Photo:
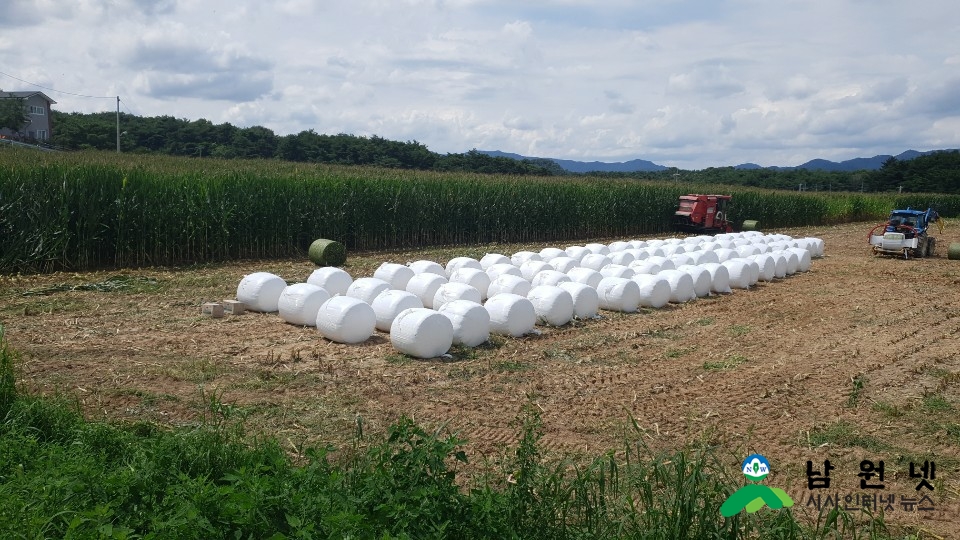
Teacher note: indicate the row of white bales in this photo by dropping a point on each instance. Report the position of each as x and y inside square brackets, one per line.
[427, 307]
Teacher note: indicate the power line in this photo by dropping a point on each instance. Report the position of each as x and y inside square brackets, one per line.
[55, 90]
[128, 108]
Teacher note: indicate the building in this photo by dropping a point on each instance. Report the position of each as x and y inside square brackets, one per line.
[37, 108]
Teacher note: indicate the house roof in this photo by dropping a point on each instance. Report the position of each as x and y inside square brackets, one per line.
[24, 95]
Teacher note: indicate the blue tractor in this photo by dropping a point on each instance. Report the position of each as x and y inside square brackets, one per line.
[906, 234]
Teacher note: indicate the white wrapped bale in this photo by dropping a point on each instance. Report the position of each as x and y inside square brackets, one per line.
[719, 276]
[478, 279]
[531, 268]
[521, 257]
[725, 254]
[471, 322]
[397, 275]
[663, 262]
[637, 254]
[260, 291]
[710, 245]
[654, 251]
[681, 285]
[553, 305]
[702, 282]
[623, 258]
[638, 244]
[564, 264]
[815, 246]
[598, 249]
[708, 257]
[388, 304]
[345, 319]
[747, 251]
[577, 253]
[586, 301]
[595, 261]
[425, 286]
[334, 280]
[793, 261]
[547, 254]
[803, 258]
[768, 266]
[740, 273]
[619, 294]
[498, 270]
[586, 276]
[617, 270]
[680, 259]
[457, 263]
[421, 333]
[448, 292]
[670, 250]
[740, 242]
[654, 290]
[427, 267]
[511, 314]
[508, 284]
[549, 277]
[618, 246]
[491, 259]
[645, 266]
[780, 258]
[367, 288]
[754, 270]
[299, 303]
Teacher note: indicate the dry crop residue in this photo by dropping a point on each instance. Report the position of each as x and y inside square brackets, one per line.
[858, 358]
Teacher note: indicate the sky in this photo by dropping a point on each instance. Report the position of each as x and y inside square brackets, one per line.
[689, 84]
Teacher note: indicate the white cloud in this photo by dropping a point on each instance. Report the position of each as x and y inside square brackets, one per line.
[690, 83]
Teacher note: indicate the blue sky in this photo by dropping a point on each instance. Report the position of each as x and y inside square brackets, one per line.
[691, 84]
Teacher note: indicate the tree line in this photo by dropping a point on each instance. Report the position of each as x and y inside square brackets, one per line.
[937, 172]
[201, 138]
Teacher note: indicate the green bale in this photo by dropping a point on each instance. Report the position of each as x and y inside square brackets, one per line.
[325, 252]
[751, 225]
[954, 252]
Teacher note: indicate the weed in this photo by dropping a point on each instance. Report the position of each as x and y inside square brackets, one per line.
[729, 363]
[936, 403]
[888, 410]
[677, 353]
[856, 390]
[844, 434]
[738, 330]
[705, 321]
[510, 365]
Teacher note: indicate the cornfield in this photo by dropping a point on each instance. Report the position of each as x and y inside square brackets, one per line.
[95, 210]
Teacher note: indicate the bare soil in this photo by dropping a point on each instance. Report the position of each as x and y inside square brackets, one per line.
[859, 358]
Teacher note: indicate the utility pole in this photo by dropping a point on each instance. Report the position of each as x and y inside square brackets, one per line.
[118, 124]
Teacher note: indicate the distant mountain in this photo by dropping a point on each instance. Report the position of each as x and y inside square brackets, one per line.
[856, 164]
[640, 165]
[591, 166]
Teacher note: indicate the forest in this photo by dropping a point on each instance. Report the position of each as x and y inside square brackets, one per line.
[938, 172]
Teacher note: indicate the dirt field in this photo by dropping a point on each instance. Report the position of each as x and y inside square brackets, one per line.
[858, 358]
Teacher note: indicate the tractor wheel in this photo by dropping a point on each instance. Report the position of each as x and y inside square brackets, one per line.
[931, 247]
